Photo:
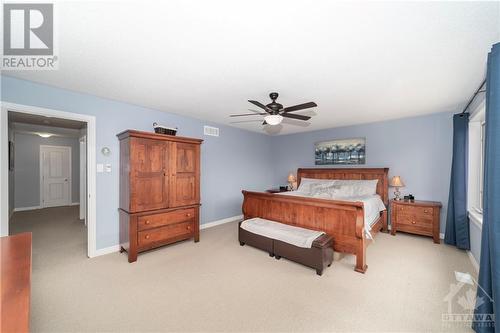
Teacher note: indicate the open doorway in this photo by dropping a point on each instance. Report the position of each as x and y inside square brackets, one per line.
[45, 180]
[49, 185]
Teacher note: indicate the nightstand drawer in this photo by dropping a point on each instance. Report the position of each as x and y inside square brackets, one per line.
[421, 212]
[415, 223]
[416, 229]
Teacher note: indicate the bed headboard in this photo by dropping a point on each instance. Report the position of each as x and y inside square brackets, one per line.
[351, 173]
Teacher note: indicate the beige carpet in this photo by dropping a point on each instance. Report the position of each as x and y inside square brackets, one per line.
[217, 285]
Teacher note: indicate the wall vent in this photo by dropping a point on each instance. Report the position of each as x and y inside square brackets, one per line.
[211, 131]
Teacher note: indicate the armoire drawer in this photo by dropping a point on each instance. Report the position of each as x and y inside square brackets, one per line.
[162, 219]
[159, 235]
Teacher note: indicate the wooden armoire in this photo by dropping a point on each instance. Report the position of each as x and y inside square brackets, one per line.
[159, 190]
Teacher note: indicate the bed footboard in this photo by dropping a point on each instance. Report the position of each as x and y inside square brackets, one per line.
[343, 221]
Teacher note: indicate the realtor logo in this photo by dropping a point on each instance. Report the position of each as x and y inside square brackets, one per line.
[28, 36]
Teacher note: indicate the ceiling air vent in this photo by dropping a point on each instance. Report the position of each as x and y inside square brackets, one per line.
[209, 130]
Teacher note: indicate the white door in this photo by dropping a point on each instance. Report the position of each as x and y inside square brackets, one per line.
[55, 172]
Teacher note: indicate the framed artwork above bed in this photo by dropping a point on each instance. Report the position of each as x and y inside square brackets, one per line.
[340, 152]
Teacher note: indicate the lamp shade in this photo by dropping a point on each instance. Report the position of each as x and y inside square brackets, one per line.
[291, 178]
[396, 182]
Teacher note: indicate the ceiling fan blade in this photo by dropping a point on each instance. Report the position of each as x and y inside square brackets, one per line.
[295, 116]
[247, 114]
[299, 107]
[244, 121]
[259, 104]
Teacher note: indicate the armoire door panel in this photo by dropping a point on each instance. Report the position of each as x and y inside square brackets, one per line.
[185, 190]
[149, 174]
[186, 157]
[184, 187]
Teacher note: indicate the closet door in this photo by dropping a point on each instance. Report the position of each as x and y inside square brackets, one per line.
[148, 174]
[184, 178]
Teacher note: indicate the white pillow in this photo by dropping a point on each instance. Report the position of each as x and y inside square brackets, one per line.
[305, 183]
[358, 187]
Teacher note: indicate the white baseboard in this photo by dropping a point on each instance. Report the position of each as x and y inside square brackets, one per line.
[219, 222]
[22, 209]
[473, 261]
[107, 250]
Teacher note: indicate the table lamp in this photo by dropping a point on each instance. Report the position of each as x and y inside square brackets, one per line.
[397, 183]
[291, 180]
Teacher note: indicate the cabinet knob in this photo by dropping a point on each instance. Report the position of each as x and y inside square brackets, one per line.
[426, 211]
[413, 222]
[148, 222]
[147, 236]
[188, 214]
[188, 227]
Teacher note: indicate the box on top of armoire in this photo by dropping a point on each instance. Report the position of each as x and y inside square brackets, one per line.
[159, 190]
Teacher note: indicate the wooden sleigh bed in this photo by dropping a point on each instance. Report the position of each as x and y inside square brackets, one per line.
[343, 220]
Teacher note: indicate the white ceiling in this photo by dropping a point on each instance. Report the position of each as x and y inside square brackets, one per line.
[359, 61]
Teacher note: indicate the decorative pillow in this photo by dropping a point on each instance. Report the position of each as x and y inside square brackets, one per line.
[359, 187]
[305, 183]
[320, 189]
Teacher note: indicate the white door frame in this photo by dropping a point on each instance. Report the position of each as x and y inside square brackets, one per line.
[70, 190]
[91, 165]
[82, 141]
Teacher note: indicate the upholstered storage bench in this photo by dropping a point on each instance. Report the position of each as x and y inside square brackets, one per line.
[318, 256]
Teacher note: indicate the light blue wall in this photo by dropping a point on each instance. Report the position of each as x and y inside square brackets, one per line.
[418, 149]
[27, 167]
[234, 161]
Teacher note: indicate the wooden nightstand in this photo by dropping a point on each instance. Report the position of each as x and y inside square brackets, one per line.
[417, 217]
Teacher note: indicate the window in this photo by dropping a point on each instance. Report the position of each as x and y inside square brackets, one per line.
[481, 168]
[477, 127]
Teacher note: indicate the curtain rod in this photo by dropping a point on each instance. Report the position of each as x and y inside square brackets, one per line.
[474, 96]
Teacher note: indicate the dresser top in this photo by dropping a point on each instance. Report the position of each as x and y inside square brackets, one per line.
[417, 203]
[155, 136]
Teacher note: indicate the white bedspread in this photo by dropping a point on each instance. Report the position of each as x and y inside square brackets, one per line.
[286, 233]
[373, 205]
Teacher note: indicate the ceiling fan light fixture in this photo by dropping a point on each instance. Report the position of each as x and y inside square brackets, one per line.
[273, 119]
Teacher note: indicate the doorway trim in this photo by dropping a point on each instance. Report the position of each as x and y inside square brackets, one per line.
[91, 165]
[42, 187]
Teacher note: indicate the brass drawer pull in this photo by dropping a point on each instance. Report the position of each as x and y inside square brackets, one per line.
[413, 222]
[188, 214]
[188, 227]
[426, 211]
[148, 222]
[147, 236]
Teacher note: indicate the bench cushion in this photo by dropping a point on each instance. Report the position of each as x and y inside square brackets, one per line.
[286, 233]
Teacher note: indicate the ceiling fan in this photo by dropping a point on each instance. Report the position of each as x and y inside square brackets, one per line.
[274, 112]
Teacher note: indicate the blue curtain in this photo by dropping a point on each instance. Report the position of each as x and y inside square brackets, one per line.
[457, 221]
[488, 291]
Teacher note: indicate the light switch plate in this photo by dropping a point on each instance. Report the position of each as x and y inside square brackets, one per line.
[100, 167]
